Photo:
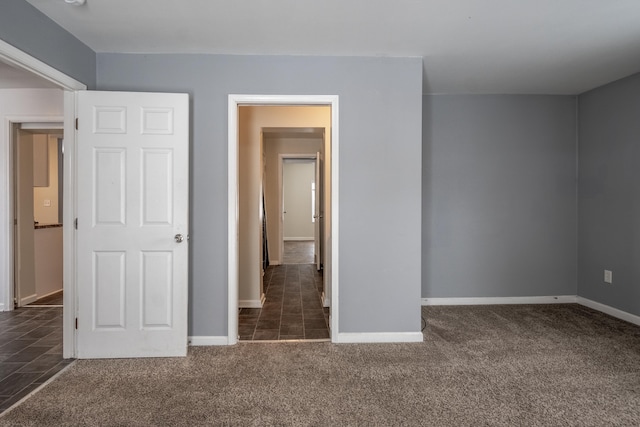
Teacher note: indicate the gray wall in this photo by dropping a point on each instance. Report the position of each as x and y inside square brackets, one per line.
[380, 171]
[26, 28]
[609, 194]
[499, 196]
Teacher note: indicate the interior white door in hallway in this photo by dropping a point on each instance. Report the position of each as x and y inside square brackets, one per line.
[132, 224]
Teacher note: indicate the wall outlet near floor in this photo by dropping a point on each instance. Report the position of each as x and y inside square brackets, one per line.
[47, 202]
[608, 276]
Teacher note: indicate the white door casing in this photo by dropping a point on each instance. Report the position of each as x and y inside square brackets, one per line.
[24, 259]
[132, 192]
[317, 215]
[332, 259]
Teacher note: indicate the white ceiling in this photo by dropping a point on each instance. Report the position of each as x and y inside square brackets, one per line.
[467, 46]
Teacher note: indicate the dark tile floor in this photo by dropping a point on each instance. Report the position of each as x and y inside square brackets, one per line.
[298, 252]
[30, 351]
[292, 309]
[55, 299]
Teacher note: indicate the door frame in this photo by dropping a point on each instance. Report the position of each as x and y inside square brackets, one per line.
[281, 161]
[234, 102]
[21, 60]
[35, 123]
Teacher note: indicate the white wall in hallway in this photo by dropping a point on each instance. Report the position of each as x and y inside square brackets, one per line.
[297, 179]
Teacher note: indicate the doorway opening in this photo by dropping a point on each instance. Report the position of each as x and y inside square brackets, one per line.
[31, 112]
[266, 133]
[37, 205]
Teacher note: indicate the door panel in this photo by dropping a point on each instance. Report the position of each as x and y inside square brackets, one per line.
[132, 205]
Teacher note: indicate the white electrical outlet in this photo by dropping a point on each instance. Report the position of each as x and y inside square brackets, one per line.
[608, 276]
[47, 202]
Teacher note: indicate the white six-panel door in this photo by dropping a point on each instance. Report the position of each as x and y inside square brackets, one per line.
[132, 249]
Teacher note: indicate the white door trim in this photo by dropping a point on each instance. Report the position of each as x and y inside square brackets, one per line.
[26, 62]
[8, 153]
[232, 200]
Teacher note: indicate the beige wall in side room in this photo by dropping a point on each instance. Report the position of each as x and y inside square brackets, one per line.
[41, 213]
[48, 260]
[252, 119]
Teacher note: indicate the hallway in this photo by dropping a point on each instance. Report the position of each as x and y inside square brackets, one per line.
[292, 310]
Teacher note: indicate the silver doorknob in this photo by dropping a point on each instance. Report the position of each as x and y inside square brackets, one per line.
[179, 238]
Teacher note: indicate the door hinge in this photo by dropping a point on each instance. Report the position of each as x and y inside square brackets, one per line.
[76, 123]
[75, 223]
[15, 221]
[76, 323]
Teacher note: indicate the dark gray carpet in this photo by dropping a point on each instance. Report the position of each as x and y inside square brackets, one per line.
[483, 365]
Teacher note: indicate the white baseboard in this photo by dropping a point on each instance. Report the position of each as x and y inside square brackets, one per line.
[326, 301]
[2, 306]
[378, 337]
[275, 262]
[559, 299]
[50, 293]
[28, 300]
[251, 303]
[208, 341]
[299, 239]
[623, 315]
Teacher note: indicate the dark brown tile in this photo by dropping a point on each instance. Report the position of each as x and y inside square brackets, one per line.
[7, 369]
[42, 364]
[293, 329]
[16, 345]
[249, 317]
[16, 382]
[249, 322]
[310, 313]
[291, 319]
[312, 296]
[246, 329]
[39, 332]
[28, 354]
[314, 324]
[291, 309]
[271, 315]
[8, 336]
[25, 326]
[268, 324]
[270, 306]
[56, 350]
[16, 397]
[51, 372]
[50, 340]
[291, 297]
